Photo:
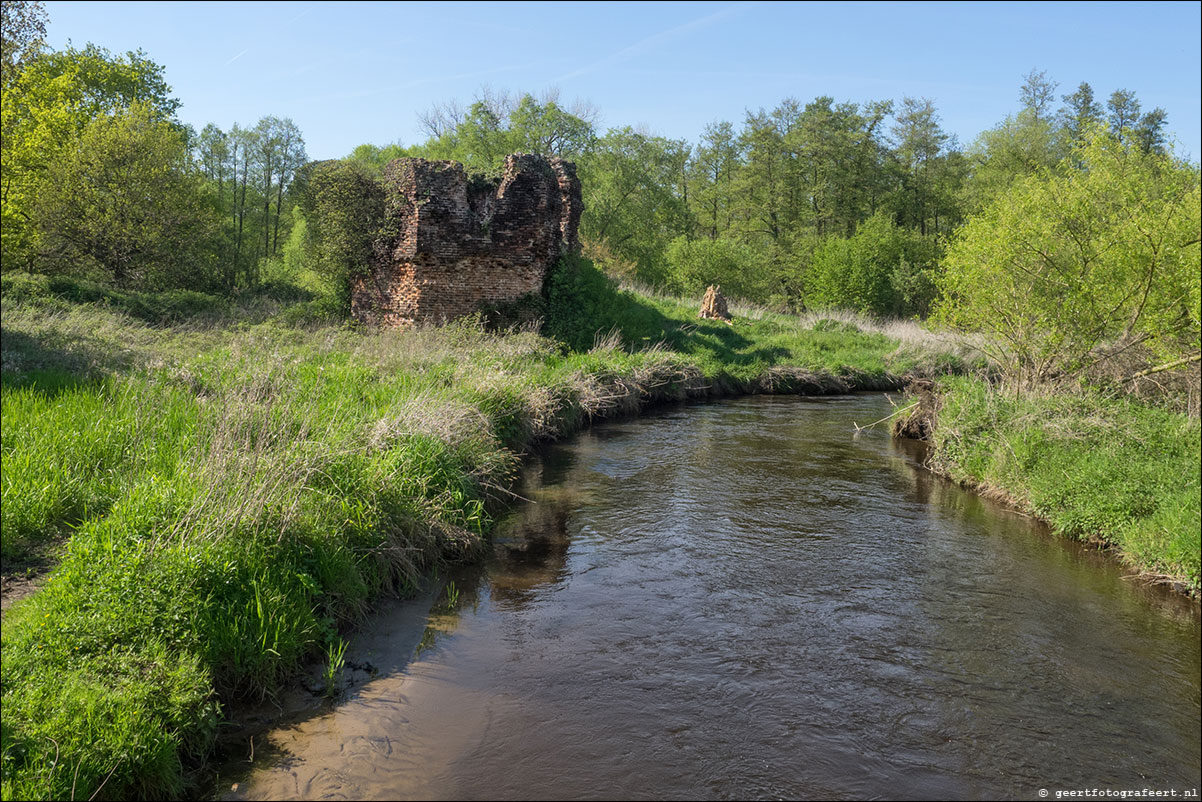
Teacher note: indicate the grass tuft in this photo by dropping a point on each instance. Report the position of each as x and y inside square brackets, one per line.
[1109, 470]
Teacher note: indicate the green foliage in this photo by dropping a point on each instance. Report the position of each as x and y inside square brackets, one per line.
[1068, 261]
[344, 209]
[547, 129]
[930, 173]
[123, 201]
[1020, 146]
[582, 302]
[497, 125]
[633, 206]
[881, 270]
[249, 174]
[1091, 466]
[695, 264]
[23, 28]
[374, 158]
[44, 109]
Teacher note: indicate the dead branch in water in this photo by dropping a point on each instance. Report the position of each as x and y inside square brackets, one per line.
[892, 414]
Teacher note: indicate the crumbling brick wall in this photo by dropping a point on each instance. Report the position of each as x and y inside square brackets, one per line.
[451, 244]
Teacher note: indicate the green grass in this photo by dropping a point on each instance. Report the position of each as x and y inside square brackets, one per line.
[755, 343]
[1095, 468]
[228, 489]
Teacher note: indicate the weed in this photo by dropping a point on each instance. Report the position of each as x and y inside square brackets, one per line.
[451, 596]
[335, 660]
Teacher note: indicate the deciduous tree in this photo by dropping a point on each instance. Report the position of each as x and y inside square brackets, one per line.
[1102, 251]
[125, 199]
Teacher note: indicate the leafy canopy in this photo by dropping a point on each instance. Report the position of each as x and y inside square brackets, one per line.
[43, 111]
[1101, 251]
[123, 199]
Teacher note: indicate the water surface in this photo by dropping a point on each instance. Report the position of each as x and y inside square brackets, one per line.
[747, 600]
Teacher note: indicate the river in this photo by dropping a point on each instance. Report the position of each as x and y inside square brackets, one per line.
[748, 599]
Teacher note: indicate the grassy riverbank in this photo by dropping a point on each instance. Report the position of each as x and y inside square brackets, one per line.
[1112, 471]
[223, 488]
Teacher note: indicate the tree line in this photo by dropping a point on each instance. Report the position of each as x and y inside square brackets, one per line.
[100, 178]
[1068, 226]
[818, 203]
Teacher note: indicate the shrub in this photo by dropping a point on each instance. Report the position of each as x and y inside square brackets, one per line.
[881, 270]
[1103, 249]
[695, 264]
[343, 207]
[124, 200]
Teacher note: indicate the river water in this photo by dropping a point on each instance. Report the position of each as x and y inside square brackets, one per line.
[749, 600]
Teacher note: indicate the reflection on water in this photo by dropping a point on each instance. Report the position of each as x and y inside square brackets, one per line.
[744, 600]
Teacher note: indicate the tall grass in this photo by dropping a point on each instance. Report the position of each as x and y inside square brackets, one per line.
[1104, 469]
[228, 491]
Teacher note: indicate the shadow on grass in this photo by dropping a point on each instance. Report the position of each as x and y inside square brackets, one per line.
[52, 365]
[584, 305]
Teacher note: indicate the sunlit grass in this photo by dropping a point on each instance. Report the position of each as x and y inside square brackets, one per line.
[228, 491]
[1110, 470]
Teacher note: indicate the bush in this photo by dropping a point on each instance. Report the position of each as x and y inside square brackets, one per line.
[695, 264]
[583, 303]
[881, 270]
[577, 296]
[1102, 250]
[124, 200]
[343, 206]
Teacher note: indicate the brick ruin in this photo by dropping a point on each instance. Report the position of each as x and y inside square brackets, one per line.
[455, 243]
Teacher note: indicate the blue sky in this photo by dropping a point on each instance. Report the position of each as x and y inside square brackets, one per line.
[349, 73]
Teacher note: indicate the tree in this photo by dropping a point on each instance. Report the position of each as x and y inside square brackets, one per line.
[1068, 265]
[1079, 114]
[242, 144]
[44, 109]
[1037, 93]
[548, 130]
[919, 142]
[22, 35]
[712, 170]
[212, 149]
[839, 163]
[763, 181]
[630, 181]
[1021, 145]
[374, 157]
[1149, 133]
[249, 172]
[124, 199]
[292, 158]
[497, 124]
[1124, 113]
